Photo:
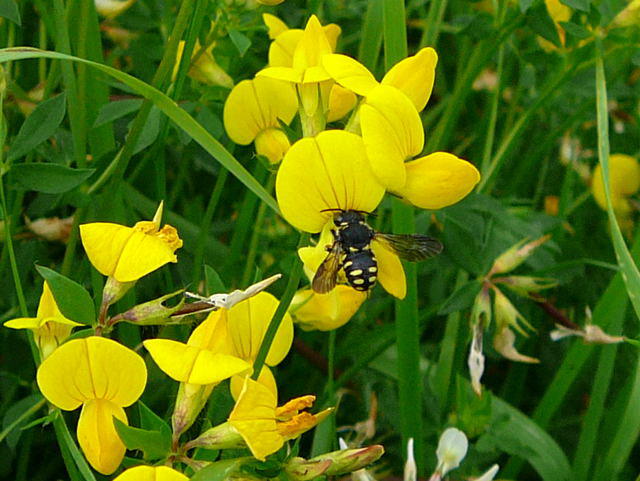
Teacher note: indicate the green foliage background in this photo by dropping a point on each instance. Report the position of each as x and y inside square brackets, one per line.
[576, 415]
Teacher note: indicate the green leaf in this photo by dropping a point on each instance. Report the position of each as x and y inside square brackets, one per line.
[540, 22]
[525, 5]
[582, 5]
[39, 126]
[115, 110]
[49, 178]
[240, 40]
[220, 470]
[72, 299]
[151, 421]
[181, 118]
[461, 298]
[149, 132]
[154, 444]
[9, 10]
[633, 342]
[575, 30]
[213, 281]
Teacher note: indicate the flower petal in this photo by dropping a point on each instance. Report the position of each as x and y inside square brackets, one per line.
[211, 333]
[414, 76]
[341, 102]
[392, 133]
[48, 307]
[256, 105]
[273, 144]
[326, 311]
[191, 364]
[254, 418]
[103, 243]
[92, 368]
[390, 271]
[349, 73]
[312, 46]
[247, 324]
[287, 74]
[314, 176]
[151, 473]
[282, 48]
[97, 435]
[24, 323]
[265, 378]
[438, 180]
[624, 180]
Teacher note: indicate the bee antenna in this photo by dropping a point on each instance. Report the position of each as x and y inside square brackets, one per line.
[332, 210]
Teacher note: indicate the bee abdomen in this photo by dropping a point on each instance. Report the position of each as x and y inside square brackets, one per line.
[361, 269]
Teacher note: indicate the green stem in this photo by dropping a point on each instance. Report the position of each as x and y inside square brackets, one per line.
[68, 445]
[285, 301]
[493, 116]
[26, 414]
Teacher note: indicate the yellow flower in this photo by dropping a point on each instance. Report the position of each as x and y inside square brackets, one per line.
[128, 253]
[392, 133]
[312, 82]
[624, 181]
[331, 171]
[103, 377]
[112, 8]
[151, 473]
[203, 68]
[285, 40]
[413, 76]
[50, 328]
[341, 102]
[264, 426]
[253, 111]
[325, 312]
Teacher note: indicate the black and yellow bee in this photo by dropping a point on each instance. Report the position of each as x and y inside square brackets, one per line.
[351, 251]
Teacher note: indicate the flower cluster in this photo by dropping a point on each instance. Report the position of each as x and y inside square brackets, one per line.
[342, 164]
[103, 377]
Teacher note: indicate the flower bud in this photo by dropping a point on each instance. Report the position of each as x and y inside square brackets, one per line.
[516, 255]
[348, 460]
[525, 285]
[503, 342]
[273, 144]
[223, 436]
[152, 312]
[299, 469]
[189, 402]
[489, 474]
[507, 314]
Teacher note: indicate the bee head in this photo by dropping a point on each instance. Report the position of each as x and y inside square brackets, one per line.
[346, 217]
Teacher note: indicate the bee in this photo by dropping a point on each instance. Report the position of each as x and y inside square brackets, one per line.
[351, 251]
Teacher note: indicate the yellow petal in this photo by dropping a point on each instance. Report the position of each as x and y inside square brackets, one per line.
[151, 473]
[326, 311]
[256, 105]
[273, 144]
[92, 368]
[287, 74]
[624, 180]
[312, 46]
[247, 324]
[97, 435]
[438, 180]
[557, 11]
[329, 171]
[341, 102]
[24, 323]
[124, 252]
[349, 73]
[312, 257]
[49, 309]
[274, 25]
[191, 364]
[392, 133]
[390, 271]
[211, 333]
[254, 418]
[414, 76]
[265, 378]
[282, 48]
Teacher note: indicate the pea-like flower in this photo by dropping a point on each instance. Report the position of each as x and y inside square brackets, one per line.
[128, 253]
[50, 328]
[327, 172]
[151, 473]
[253, 112]
[203, 68]
[258, 422]
[103, 377]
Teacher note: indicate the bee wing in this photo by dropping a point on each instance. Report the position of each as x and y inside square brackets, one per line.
[412, 247]
[327, 274]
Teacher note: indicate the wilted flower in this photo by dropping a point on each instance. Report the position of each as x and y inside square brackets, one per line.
[452, 448]
[103, 377]
[50, 328]
[51, 229]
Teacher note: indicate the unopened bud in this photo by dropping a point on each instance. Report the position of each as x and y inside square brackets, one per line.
[481, 311]
[348, 460]
[507, 314]
[525, 285]
[223, 436]
[152, 312]
[516, 255]
[490, 474]
[299, 469]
